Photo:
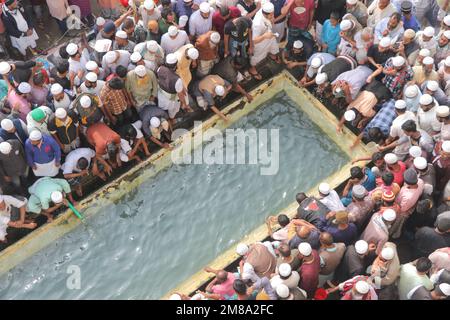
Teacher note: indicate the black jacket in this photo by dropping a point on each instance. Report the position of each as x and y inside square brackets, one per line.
[11, 25]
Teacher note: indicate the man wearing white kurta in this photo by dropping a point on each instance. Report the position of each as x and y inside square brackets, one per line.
[264, 39]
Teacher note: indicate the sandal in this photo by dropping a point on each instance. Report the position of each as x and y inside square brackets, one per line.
[257, 76]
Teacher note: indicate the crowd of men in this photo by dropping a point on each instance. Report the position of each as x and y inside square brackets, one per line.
[100, 101]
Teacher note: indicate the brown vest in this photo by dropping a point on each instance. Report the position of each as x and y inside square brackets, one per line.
[210, 82]
[262, 260]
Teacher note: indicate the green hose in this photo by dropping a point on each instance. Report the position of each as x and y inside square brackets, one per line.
[75, 211]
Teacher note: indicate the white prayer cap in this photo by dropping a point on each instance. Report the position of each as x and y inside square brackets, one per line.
[298, 44]
[447, 34]
[102, 45]
[91, 65]
[60, 113]
[362, 287]
[141, 71]
[324, 188]
[432, 85]
[305, 249]
[155, 122]
[411, 92]
[219, 90]
[110, 56]
[71, 49]
[35, 135]
[100, 21]
[445, 288]
[345, 25]
[446, 146]
[389, 215]
[7, 124]
[246, 269]
[316, 62]
[387, 253]
[5, 67]
[172, 31]
[361, 247]
[400, 104]
[5, 148]
[24, 87]
[447, 20]
[215, 37]
[149, 4]
[426, 99]
[57, 197]
[192, 52]
[171, 58]
[375, 171]
[428, 60]
[121, 34]
[349, 115]
[390, 158]
[241, 249]
[415, 151]
[428, 31]
[135, 57]
[282, 291]
[152, 46]
[85, 101]
[398, 61]
[442, 111]
[268, 7]
[183, 21]
[56, 88]
[420, 163]
[175, 296]
[352, 2]
[198, 296]
[424, 52]
[321, 78]
[91, 76]
[385, 42]
[284, 270]
[205, 7]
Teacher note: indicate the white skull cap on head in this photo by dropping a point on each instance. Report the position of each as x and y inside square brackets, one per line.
[215, 37]
[110, 56]
[205, 7]
[316, 62]
[432, 85]
[443, 111]
[85, 101]
[71, 49]
[424, 52]
[192, 53]
[141, 71]
[305, 249]
[149, 4]
[447, 34]
[241, 249]
[7, 124]
[284, 270]
[121, 34]
[352, 2]
[24, 87]
[219, 90]
[445, 288]
[56, 88]
[91, 65]
[398, 61]
[428, 61]
[429, 31]
[183, 21]
[387, 253]
[361, 247]
[155, 122]
[390, 158]
[349, 115]
[321, 78]
[5, 67]
[324, 188]
[362, 287]
[282, 291]
[91, 76]
[446, 146]
[152, 46]
[35, 135]
[171, 58]
[411, 91]
[135, 57]
[172, 31]
[400, 104]
[385, 42]
[60, 113]
[100, 21]
[420, 163]
[56, 197]
[415, 151]
[268, 7]
[389, 215]
[175, 296]
[345, 25]
[5, 147]
[426, 99]
[298, 44]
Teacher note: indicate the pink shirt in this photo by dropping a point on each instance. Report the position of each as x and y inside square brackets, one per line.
[58, 8]
[301, 14]
[225, 288]
[19, 104]
[407, 198]
[108, 4]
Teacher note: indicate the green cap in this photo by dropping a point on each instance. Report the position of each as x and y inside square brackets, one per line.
[37, 114]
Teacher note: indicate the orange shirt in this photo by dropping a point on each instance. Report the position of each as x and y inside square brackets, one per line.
[205, 52]
[99, 135]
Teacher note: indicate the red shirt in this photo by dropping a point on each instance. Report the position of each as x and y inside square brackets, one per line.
[219, 22]
[99, 135]
[398, 175]
[301, 20]
[309, 275]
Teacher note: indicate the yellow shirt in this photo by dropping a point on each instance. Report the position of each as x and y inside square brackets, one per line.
[184, 64]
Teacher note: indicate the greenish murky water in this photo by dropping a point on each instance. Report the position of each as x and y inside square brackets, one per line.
[174, 224]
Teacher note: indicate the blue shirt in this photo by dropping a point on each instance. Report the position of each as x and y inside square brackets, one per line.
[411, 23]
[383, 119]
[278, 4]
[347, 236]
[330, 36]
[48, 151]
[182, 10]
